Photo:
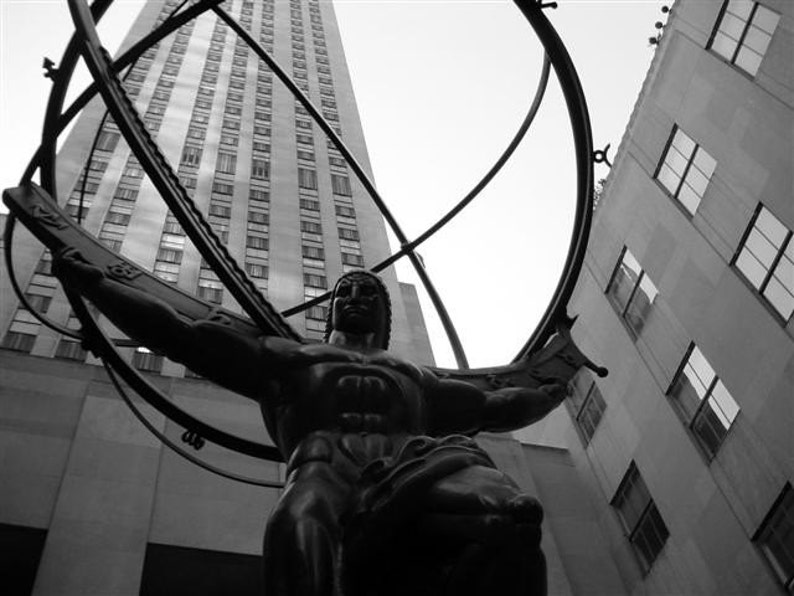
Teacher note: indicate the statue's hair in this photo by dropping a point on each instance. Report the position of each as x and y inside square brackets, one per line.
[384, 292]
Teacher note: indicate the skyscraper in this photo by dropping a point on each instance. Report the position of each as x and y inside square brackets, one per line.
[87, 490]
[273, 188]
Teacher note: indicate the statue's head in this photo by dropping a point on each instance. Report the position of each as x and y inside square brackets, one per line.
[360, 304]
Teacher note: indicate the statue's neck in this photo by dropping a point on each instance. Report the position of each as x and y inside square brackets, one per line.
[362, 342]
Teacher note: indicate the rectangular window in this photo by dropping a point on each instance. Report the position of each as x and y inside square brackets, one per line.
[19, 342]
[261, 147]
[307, 178]
[589, 406]
[644, 526]
[631, 292]
[258, 217]
[305, 139]
[70, 350]
[775, 537]
[227, 163]
[313, 252]
[260, 169]
[352, 259]
[345, 211]
[191, 156]
[766, 259]
[311, 227]
[685, 170]
[258, 242]
[146, 360]
[309, 204]
[348, 234]
[107, 140]
[256, 270]
[315, 281]
[258, 194]
[222, 188]
[210, 290]
[743, 32]
[306, 155]
[703, 401]
[341, 185]
[168, 255]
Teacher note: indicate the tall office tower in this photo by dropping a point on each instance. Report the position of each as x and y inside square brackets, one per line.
[687, 297]
[273, 188]
[91, 503]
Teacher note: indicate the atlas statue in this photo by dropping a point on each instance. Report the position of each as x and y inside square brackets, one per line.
[386, 492]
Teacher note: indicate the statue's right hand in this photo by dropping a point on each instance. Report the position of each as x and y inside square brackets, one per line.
[72, 268]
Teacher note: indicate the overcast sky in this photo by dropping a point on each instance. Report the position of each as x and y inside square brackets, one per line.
[441, 87]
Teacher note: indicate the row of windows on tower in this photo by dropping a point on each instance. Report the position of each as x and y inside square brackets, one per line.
[704, 400]
[765, 255]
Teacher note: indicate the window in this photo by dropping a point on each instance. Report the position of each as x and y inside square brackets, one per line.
[169, 256]
[348, 234]
[644, 526]
[315, 281]
[258, 242]
[631, 292]
[311, 227]
[766, 259]
[261, 147]
[309, 204]
[341, 185]
[256, 270]
[258, 194]
[307, 155]
[222, 188]
[307, 178]
[107, 140]
[743, 33]
[227, 163]
[775, 537]
[313, 252]
[115, 217]
[685, 170]
[352, 259]
[345, 211]
[210, 290]
[191, 156]
[703, 401]
[260, 169]
[70, 350]
[144, 359]
[319, 313]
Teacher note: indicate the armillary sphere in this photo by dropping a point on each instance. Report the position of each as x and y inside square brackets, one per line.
[34, 206]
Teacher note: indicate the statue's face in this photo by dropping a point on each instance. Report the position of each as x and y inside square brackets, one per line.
[358, 306]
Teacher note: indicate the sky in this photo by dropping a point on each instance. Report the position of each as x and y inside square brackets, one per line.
[441, 88]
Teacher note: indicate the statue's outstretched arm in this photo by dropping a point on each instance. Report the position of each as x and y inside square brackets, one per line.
[460, 407]
[512, 408]
[209, 348]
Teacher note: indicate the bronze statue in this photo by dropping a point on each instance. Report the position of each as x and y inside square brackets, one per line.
[386, 493]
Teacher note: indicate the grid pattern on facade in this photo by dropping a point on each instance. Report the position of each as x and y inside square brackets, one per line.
[766, 259]
[640, 517]
[743, 32]
[703, 401]
[685, 170]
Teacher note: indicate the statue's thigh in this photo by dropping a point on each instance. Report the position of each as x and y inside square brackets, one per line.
[481, 504]
[475, 489]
